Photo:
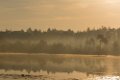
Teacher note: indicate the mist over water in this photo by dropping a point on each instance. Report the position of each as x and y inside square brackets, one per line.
[59, 40]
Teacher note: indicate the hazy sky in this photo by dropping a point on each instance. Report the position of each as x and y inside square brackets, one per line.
[60, 14]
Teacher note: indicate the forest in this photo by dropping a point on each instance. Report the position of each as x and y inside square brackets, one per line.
[102, 41]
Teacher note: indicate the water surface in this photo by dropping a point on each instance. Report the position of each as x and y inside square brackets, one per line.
[57, 66]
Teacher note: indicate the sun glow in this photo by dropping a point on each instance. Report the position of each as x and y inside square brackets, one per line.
[114, 2]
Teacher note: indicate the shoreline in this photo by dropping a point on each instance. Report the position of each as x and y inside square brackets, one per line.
[67, 54]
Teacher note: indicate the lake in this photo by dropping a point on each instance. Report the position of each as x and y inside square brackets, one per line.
[58, 67]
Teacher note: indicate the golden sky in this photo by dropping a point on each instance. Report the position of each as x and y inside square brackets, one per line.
[60, 14]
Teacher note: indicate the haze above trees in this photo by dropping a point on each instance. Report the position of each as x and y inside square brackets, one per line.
[102, 41]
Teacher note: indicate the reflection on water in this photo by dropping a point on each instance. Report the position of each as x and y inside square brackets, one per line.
[56, 76]
[43, 75]
[108, 77]
[60, 67]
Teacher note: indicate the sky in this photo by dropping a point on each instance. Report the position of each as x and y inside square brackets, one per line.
[59, 14]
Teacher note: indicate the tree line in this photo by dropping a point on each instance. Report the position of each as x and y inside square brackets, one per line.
[102, 41]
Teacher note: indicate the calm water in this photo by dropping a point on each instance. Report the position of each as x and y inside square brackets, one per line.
[58, 67]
